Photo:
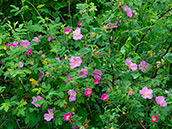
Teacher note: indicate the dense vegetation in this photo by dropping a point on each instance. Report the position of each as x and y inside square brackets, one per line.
[96, 64]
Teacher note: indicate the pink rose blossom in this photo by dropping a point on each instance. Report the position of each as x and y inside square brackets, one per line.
[58, 59]
[143, 66]
[49, 38]
[37, 39]
[83, 72]
[14, 44]
[111, 25]
[97, 73]
[50, 115]
[67, 31]
[24, 43]
[79, 23]
[35, 100]
[96, 81]
[154, 118]
[161, 101]
[104, 97]
[68, 79]
[40, 75]
[146, 93]
[77, 34]
[135, 13]
[72, 94]
[131, 65]
[75, 61]
[88, 92]
[21, 64]
[29, 51]
[128, 10]
[67, 116]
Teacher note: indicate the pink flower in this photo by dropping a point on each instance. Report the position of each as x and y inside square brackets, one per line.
[49, 38]
[88, 92]
[37, 39]
[97, 73]
[161, 101]
[35, 100]
[154, 118]
[83, 72]
[21, 64]
[79, 23]
[77, 34]
[135, 13]
[96, 81]
[67, 116]
[72, 94]
[131, 65]
[86, 45]
[143, 66]
[82, 11]
[58, 59]
[166, 91]
[14, 44]
[50, 115]
[24, 43]
[67, 31]
[146, 93]
[111, 25]
[104, 97]
[68, 79]
[29, 51]
[40, 75]
[128, 10]
[75, 61]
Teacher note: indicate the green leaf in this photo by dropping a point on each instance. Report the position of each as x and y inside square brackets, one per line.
[61, 94]
[122, 49]
[40, 6]
[169, 58]
[84, 51]
[80, 6]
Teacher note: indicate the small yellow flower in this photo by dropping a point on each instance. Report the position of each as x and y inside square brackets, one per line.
[5, 48]
[117, 88]
[150, 52]
[73, 109]
[33, 81]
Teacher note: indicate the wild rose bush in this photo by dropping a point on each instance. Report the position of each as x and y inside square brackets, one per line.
[106, 66]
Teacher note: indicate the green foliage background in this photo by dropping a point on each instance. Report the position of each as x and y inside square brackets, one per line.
[150, 31]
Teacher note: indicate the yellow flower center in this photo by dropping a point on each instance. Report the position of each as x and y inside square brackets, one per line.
[75, 62]
[161, 102]
[82, 72]
[154, 118]
[129, 65]
[77, 34]
[49, 115]
[67, 117]
[145, 93]
[67, 32]
[24, 46]
[88, 91]
[71, 95]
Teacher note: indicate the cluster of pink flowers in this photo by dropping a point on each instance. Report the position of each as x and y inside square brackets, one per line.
[97, 76]
[143, 65]
[129, 11]
[77, 33]
[147, 93]
[14, 44]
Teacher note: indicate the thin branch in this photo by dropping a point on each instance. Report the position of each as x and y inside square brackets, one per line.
[149, 29]
[149, 80]
[140, 123]
[70, 14]
[123, 122]
[168, 49]
[96, 21]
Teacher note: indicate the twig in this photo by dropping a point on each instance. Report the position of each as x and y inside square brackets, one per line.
[149, 29]
[167, 49]
[18, 124]
[140, 123]
[70, 14]
[96, 21]
[123, 122]
[149, 80]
